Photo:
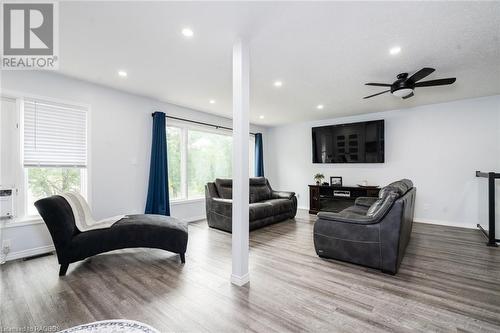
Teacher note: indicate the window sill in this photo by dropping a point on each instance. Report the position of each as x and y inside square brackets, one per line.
[33, 220]
[185, 201]
[21, 222]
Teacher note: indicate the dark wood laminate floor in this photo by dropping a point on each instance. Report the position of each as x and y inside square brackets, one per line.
[449, 281]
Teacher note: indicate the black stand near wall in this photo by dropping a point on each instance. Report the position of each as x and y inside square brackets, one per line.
[492, 241]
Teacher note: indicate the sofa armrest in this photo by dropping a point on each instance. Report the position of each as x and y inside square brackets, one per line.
[365, 201]
[222, 206]
[336, 217]
[282, 195]
[222, 202]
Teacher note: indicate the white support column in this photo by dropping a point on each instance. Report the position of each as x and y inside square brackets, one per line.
[241, 128]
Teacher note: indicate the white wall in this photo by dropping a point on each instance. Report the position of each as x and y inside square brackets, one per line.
[120, 145]
[439, 147]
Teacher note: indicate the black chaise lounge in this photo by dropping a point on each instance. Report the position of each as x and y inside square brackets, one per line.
[150, 231]
[374, 232]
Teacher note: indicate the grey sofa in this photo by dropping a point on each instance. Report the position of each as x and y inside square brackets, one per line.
[374, 232]
[151, 231]
[266, 205]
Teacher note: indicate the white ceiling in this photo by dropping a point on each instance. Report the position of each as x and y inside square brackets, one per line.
[323, 52]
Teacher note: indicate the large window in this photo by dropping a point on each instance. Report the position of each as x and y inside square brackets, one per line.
[174, 136]
[196, 156]
[209, 157]
[54, 150]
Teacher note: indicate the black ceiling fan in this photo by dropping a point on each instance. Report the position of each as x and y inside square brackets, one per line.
[403, 87]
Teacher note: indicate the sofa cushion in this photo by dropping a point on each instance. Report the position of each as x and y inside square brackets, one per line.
[280, 206]
[361, 210]
[350, 213]
[259, 189]
[260, 210]
[400, 187]
[258, 181]
[224, 188]
[382, 205]
[365, 202]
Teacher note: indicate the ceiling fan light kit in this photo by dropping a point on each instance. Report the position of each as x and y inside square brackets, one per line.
[402, 92]
[404, 86]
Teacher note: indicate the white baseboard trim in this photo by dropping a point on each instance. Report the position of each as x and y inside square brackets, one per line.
[195, 219]
[445, 223]
[303, 208]
[240, 280]
[29, 252]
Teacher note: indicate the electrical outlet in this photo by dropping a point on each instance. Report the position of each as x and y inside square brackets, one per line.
[6, 246]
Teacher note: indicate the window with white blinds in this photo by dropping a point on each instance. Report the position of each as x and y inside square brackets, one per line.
[55, 135]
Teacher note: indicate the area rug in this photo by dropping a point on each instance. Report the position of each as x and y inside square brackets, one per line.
[112, 326]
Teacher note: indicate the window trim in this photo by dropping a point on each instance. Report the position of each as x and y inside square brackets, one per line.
[176, 202]
[20, 186]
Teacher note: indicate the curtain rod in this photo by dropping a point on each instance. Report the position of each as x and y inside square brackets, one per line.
[200, 123]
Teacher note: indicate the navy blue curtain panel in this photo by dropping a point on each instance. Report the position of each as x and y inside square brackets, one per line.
[259, 156]
[158, 200]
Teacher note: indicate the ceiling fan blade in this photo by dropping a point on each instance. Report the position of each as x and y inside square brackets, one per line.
[378, 84]
[380, 93]
[438, 82]
[408, 96]
[421, 74]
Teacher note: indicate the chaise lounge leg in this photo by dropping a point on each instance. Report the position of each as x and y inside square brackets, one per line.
[63, 269]
[183, 257]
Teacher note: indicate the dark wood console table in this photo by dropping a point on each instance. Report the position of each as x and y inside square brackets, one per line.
[330, 198]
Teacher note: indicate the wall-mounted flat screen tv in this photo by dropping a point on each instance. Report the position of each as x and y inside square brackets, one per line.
[349, 143]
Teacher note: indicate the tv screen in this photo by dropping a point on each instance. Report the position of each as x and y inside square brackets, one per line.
[349, 143]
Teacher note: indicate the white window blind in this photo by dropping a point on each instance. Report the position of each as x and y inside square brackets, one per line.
[55, 135]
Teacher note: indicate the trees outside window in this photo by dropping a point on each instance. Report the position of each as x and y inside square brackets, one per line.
[209, 157]
[44, 182]
[174, 162]
[196, 157]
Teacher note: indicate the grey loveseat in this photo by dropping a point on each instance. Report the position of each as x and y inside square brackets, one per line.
[266, 205]
[374, 232]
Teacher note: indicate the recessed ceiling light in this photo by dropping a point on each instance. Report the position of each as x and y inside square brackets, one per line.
[320, 107]
[122, 73]
[212, 101]
[187, 32]
[261, 117]
[395, 50]
[278, 83]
